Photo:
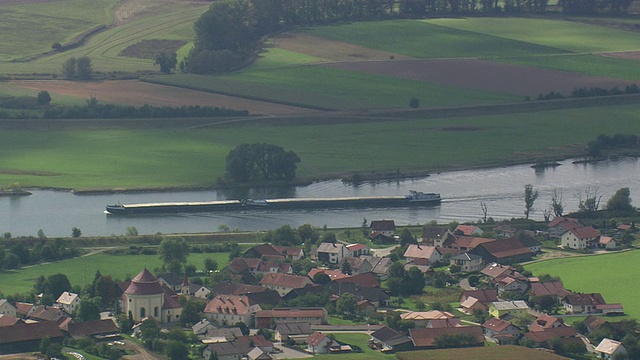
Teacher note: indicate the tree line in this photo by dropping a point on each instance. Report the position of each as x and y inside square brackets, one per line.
[594, 91]
[266, 161]
[617, 141]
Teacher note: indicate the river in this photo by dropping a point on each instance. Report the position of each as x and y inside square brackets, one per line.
[501, 189]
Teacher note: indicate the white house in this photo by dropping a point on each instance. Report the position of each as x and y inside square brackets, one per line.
[584, 237]
[68, 302]
[384, 227]
[319, 343]
[467, 262]
[6, 308]
[610, 349]
[430, 253]
[331, 253]
[230, 309]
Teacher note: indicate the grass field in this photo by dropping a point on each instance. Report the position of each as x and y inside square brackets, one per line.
[360, 340]
[609, 274]
[81, 270]
[334, 89]
[31, 29]
[146, 158]
[505, 352]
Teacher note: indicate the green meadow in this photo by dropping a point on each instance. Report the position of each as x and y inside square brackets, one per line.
[148, 158]
[612, 275]
[325, 87]
[81, 270]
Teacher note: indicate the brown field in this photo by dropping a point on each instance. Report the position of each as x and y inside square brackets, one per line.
[22, 2]
[483, 75]
[137, 93]
[506, 352]
[630, 55]
[328, 49]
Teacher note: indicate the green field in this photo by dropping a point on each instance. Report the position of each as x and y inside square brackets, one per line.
[334, 89]
[360, 340]
[80, 271]
[173, 21]
[146, 158]
[31, 29]
[612, 275]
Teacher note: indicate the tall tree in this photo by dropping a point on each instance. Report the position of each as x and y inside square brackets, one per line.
[620, 201]
[556, 203]
[84, 69]
[174, 253]
[530, 196]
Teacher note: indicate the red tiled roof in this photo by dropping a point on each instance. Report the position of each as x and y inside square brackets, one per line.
[356, 247]
[544, 322]
[228, 304]
[585, 232]
[420, 251]
[363, 280]
[470, 242]
[551, 333]
[496, 270]
[485, 296]
[568, 222]
[332, 274]
[23, 308]
[29, 332]
[92, 327]
[554, 288]
[584, 299]
[426, 337]
[258, 340]
[171, 302]
[465, 229]
[316, 338]
[144, 284]
[285, 280]
[239, 265]
[287, 250]
[505, 248]
[496, 324]
[8, 320]
[314, 312]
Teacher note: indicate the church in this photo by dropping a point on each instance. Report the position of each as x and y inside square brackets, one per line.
[147, 297]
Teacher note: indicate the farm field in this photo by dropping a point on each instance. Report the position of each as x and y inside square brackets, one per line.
[151, 158]
[504, 352]
[608, 274]
[81, 270]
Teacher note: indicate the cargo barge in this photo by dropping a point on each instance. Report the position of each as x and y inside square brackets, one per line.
[415, 198]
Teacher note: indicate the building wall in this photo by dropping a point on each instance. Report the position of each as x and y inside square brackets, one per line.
[135, 304]
[8, 309]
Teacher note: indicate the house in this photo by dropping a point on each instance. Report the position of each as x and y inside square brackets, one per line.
[274, 252]
[430, 253]
[498, 271]
[495, 328]
[388, 340]
[97, 329]
[505, 230]
[256, 340]
[68, 302]
[421, 264]
[23, 309]
[356, 250]
[295, 332]
[7, 309]
[332, 274]
[49, 313]
[467, 230]
[365, 306]
[448, 322]
[503, 251]
[477, 299]
[531, 243]
[554, 289]
[465, 243]
[607, 242]
[146, 297]
[610, 349]
[258, 354]
[566, 334]
[559, 225]
[422, 318]
[193, 290]
[233, 288]
[253, 266]
[384, 227]
[379, 266]
[593, 323]
[434, 235]
[379, 238]
[517, 308]
[516, 284]
[331, 253]
[585, 237]
[230, 309]
[425, 338]
[582, 303]
[228, 350]
[319, 343]
[357, 265]
[8, 320]
[171, 280]
[361, 280]
[202, 326]
[284, 283]
[223, 334]
[375, 295]
[545, 322]
[467, 262]
[27, 337]
[311, 315]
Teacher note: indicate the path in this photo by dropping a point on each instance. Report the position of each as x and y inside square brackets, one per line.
[384, 252]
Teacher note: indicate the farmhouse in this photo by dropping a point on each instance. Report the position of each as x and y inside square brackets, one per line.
[580, 238]
[275, 252]
[503, 251]
[331, 253]
[516, 308]
[566, 334]
[607, 242]
[319, 343]
[422, 318]
[97, 329]
[421, 264]
[434, 235]
[430, 253]
[559, 225]
[468, 230]
[465, 243]
[545, 322]
[387, 339]
[294, 331]
[610, 349]
[467, 262]
[284, 283]
[384, 227]
[68, 302]
[230, 309]
[582, 303]
[356, 250]
[493, 328]
[7, 309]
[27, 337]
[516, 284]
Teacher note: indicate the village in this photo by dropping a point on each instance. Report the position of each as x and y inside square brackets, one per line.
[276, 301]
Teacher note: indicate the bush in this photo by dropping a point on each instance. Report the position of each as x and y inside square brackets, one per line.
[414, 103]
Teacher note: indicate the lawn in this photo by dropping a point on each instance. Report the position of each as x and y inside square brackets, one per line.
[609, 274]
[506, 352]
[31, 29]
[424, 39]
[139, 158]
[360, 340]
[323, 87]
[81, 270]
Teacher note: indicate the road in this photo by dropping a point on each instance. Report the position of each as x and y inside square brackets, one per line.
[384, 252]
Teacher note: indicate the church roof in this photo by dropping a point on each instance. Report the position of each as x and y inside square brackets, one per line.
[144, 284]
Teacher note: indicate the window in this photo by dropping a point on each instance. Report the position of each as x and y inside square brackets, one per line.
[155, 311]
[142, 313]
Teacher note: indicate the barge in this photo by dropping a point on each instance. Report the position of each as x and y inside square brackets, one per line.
[415, 198]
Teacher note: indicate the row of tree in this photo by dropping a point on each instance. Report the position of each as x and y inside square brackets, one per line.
[266, 161]
[17, 253]
[617, 141]
[594, 91]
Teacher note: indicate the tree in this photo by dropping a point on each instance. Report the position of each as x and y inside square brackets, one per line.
[591, 202]
[530, 197]
[69, 69]
[243, 327]
[190, 313]
[321, 278]
[247, 161]
[173, 253]
[210, 264]
[414, 103]
[345, 268]
[484, 208]
[88, 310]
[167, 62]
[76, 232]
[84, 68]
[43, 98]
[177, 350]
[406, 237]
[620, 201]
[556, 203]
[54, 285]
[105, 288]
[347, 304]
[132, 231]
[149, 330]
